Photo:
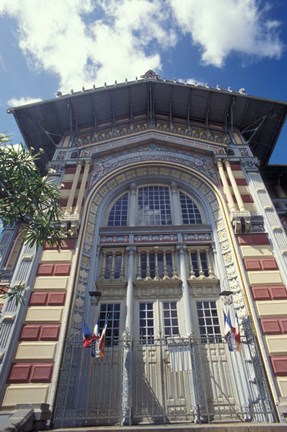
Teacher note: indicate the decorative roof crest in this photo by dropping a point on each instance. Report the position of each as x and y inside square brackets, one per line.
[150, 74]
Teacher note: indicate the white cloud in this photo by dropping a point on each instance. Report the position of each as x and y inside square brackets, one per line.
[222, 26]
[91, 42]
[22, 101]
[95, 41]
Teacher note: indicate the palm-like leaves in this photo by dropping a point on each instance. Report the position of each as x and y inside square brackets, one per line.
[26, 197]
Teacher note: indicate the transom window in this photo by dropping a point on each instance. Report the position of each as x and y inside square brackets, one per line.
[208, 321]
[154, 206]
[110, 311]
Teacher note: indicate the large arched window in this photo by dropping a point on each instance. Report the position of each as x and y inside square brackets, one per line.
[153, 207]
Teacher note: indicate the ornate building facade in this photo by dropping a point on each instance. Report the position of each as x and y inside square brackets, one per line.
[167, 205]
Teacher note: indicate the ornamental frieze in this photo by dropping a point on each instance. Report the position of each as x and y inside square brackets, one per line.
[216, 137]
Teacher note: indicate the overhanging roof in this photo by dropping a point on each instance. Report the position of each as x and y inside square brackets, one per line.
[43, 123]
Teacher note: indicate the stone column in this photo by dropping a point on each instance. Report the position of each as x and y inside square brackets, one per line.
[226, 189]
[198, 257]
[193, 379]
[73, 189]
[234, 186]
[185, 289]
[130, 289]
[127, 375]
[127, 338]
[82, 188]
[209, 264]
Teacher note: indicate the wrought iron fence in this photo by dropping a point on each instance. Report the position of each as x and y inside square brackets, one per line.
[167, 381]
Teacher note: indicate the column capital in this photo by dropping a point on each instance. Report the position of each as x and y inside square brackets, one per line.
[133, 187]
[87, 162]
[181, 248]
[219, 163]
[173, 187]
[131, 250]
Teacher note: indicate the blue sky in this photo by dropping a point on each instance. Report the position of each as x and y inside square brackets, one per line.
[51, 45]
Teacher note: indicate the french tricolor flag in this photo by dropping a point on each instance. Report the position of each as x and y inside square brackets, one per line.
[95, 340]
[101, 345]
[231, 325]
[88, 336]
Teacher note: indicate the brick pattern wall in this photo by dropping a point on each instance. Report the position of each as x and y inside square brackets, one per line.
[33, 364]
[269, 297]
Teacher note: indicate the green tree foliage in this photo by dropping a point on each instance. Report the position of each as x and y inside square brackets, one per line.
[27, 198]
[16, 292]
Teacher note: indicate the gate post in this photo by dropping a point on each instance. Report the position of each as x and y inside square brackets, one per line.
[127, 378]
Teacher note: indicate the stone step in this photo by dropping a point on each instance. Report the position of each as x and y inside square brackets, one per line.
[222, 427]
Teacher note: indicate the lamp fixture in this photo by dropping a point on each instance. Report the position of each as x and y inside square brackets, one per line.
[95, 297]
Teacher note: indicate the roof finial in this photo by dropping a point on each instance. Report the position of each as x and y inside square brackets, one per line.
[150, 74]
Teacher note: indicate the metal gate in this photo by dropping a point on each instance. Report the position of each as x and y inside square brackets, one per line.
[183, 380]
[90, 389]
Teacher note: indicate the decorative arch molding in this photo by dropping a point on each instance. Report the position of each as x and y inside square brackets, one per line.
[150, 150]
[208, 194]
